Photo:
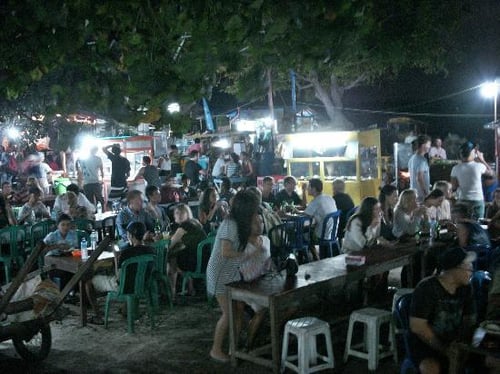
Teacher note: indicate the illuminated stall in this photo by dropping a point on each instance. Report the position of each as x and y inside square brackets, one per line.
[351, 155]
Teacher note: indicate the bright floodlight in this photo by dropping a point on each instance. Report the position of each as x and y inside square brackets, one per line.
[13, 133]
[174, 108]
[489, 89]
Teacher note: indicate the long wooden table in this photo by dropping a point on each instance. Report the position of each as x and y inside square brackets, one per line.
[280, 293]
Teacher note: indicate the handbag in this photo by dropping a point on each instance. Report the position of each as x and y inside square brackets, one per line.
[255, 265]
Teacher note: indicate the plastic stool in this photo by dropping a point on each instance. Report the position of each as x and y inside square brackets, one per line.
[306, 329]
[373, 319]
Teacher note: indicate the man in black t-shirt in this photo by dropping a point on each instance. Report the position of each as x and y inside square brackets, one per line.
[442, 311]
[120, 171]
[192, 169]
[289, 196]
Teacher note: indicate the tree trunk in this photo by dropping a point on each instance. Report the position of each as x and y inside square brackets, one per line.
[332, 100]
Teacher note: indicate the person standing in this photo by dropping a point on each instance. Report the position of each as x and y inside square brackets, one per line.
[89, 170]
[192, 169]
[437, 151]
[227, 255]
[418, 167]
[149, 172]
[120, 171]
[466, 178]
[219, 168]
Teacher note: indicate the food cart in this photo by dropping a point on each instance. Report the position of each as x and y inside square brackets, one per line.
[354, 156]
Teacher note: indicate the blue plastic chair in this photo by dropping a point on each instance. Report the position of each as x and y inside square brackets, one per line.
[281, 245]
[480, 282]
[402, 319]
[299, 234]
[483, 255]
[351, 212]
[329, 239]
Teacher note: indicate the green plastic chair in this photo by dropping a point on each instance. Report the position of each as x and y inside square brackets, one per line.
[12, 248]
[37, 233]
[160, 272]
[84, 224]
[203, 246]
[142, 289]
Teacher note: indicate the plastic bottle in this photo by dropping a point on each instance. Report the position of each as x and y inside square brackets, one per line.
[99, 207]
[84, 250]
[432, 230]
[93, 240]
[32, 216]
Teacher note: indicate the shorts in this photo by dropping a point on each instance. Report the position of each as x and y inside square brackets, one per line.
[105, 283]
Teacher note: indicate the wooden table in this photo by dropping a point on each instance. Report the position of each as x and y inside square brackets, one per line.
[75, 265]
[459, 352]
[279, 293]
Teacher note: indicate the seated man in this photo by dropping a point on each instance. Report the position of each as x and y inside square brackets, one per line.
[288, 195]
[344, 204]
[133, 212]
[103, 283]
[61, 202]
[441, 311]
[319, 208]
[267, 191]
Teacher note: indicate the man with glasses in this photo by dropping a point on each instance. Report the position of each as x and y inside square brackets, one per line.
[442, 311]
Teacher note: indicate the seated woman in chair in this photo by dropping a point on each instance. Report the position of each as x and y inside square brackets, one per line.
[7, 217]
[407, 214]
[211, 210]
[106, 283]
[184, 245]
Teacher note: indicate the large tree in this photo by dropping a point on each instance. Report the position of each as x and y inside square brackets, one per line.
[116, 55]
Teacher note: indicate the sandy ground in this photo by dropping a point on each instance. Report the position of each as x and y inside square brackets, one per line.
[179, 343]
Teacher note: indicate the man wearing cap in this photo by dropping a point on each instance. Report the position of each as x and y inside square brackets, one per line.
[466, 178]
[442, 311]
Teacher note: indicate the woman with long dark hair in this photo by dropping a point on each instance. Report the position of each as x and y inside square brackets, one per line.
[388, 199]
[211, 210]
[227, 255]
[363, 228]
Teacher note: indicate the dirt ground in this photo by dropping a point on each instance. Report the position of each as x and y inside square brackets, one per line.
[179, 343]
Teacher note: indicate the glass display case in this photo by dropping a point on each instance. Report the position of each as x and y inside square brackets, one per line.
[353, 156]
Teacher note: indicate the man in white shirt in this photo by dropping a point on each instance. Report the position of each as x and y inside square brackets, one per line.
[219, 168]
[61, 205]
[319, 207]
[437, 151]
[466, 179]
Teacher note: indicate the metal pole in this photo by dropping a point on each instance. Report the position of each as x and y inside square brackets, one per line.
[495, 127]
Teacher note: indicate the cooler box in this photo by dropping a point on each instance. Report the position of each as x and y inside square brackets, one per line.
[60, 185]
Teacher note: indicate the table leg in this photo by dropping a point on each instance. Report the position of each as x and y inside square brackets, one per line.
[232, 329]
[83, 305]
[275, 337]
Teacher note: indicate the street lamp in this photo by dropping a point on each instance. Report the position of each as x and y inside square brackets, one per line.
[490, 90]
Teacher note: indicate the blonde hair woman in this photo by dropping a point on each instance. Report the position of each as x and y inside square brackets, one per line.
[407, 214]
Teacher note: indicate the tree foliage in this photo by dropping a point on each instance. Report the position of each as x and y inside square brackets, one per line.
[113, 56]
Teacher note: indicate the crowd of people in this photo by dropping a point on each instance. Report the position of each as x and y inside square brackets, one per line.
[240, 219]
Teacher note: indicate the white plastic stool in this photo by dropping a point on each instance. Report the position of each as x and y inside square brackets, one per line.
[306, 330]
[373, 319]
